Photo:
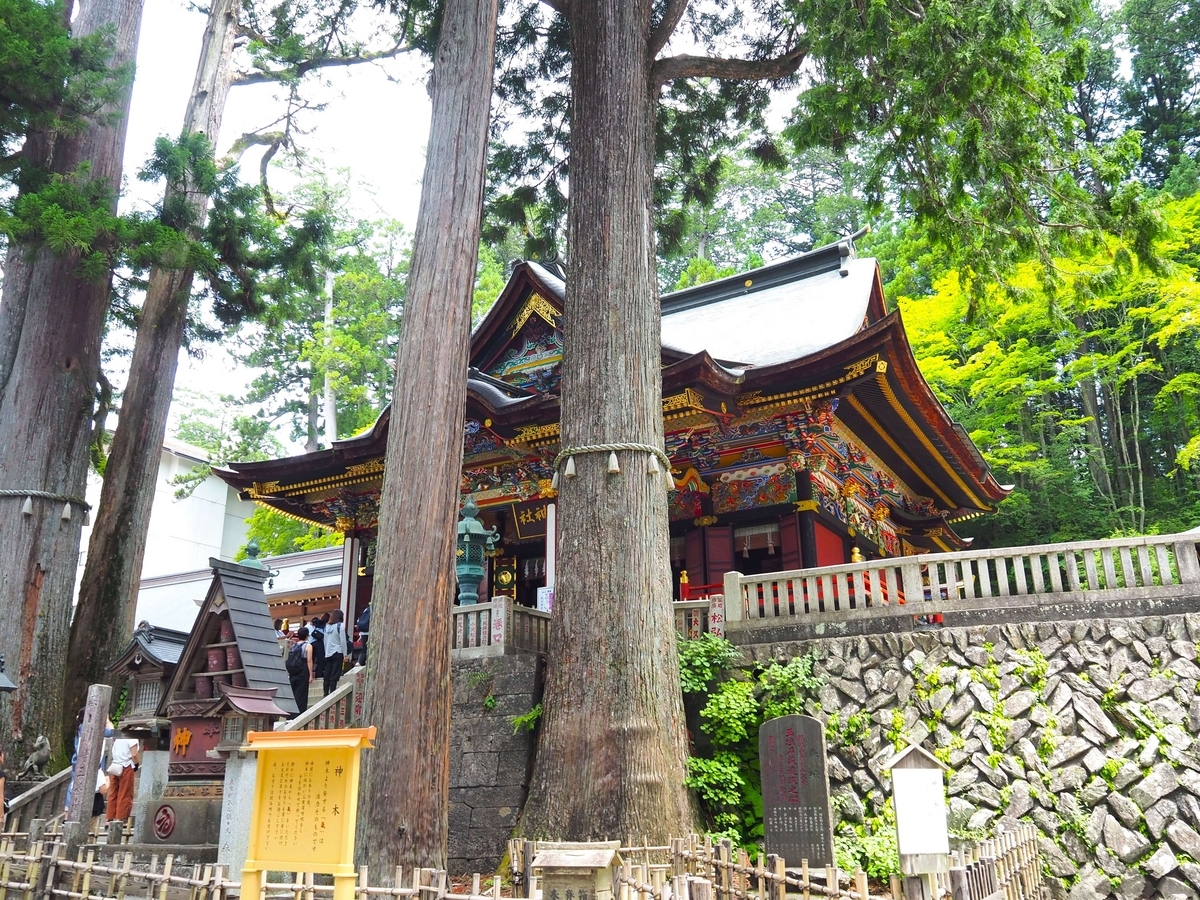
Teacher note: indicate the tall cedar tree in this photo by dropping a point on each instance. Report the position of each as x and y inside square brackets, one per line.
[288, 49]
[52, 317]
[405, 796]
[954, 108]
[108, 592]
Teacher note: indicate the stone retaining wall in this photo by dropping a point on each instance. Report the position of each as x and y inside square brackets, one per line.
[1086, 729]
[489, 764]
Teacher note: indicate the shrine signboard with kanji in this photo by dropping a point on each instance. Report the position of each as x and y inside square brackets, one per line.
[305, 804]
[797, 820]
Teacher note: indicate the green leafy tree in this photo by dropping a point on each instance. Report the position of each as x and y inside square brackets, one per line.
[278, 534]
[228, 434]
[1086, 398]
[289, 340]
[63, 235]
[1163, 94]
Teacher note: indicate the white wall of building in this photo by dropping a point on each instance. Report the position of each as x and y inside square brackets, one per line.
[183, 535]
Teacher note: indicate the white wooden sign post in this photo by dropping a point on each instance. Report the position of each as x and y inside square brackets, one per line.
[922, 836]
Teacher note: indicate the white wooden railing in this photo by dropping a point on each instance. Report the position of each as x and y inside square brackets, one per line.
[933, 584]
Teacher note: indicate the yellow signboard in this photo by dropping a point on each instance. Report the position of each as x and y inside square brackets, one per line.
[305, 805]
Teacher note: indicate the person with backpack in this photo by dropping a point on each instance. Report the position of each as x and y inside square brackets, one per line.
[335, 650]
[316, 637]
[299, 665]
[364, 630]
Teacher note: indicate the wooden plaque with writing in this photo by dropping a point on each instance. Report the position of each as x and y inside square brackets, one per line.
[797, 821]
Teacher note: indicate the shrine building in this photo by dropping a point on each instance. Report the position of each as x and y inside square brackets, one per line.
[800, 431]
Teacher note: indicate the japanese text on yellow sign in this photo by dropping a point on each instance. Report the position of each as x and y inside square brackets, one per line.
[306, 800]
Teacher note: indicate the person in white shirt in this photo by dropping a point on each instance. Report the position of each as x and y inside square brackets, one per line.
[335, 649]
[126, 753]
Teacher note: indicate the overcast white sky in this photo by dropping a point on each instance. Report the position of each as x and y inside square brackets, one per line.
[375, 127]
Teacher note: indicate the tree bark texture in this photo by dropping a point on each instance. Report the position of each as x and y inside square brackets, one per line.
[612, 751]
[49, 369]
[405, 796]
[108, 593]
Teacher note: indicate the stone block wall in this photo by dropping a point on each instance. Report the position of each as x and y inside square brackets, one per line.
[1087, 729]
[489, 763]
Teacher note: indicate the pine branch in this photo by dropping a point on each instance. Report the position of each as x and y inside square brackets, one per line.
[312, 65]
[687, 66]
[670, 21]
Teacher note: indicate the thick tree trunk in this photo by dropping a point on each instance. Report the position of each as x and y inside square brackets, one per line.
[50, 368]
[405, 800]
[612, 752]
[108, 593]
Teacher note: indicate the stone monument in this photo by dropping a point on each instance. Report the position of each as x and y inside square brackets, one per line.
[797, 820]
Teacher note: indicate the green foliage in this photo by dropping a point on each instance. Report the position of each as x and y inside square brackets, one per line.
[702, 660]
[786, 688]
[728, 780]
[227, 434]
[278, 534]
[527, 721]
[489, 701]
[870, 846]
[52, 82]
[850, 732]
[290, 342]
[1081, 395]
[732, 714]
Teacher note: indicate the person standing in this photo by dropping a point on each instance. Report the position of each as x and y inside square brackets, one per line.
[335, 650]
[316, 637]
[299, 665]
[126, 754]
[364, 632]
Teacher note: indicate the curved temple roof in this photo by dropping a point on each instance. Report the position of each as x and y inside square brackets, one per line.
[810, 327]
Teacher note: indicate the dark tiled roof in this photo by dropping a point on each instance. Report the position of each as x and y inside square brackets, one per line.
[240, 590]
[254, 630]
[251, 701]
[163, 645]
[497, 393]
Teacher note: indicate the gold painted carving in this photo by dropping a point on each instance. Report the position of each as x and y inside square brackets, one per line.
[536, 304]
[546, 487]
[705, 521]
[179, 745]
[343, 523]
[531, 433]
[370, 467]
[689, 399]
[854, 370]
[807, 506]
[263, 489]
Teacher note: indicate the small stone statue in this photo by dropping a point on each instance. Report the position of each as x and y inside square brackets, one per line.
[37, 760]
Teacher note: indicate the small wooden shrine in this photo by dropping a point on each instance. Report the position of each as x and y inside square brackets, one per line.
[230, 678]
[145, 668]
[799, 429]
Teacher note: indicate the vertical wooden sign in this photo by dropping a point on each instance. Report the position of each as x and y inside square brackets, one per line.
[797, 820]
[305, 806]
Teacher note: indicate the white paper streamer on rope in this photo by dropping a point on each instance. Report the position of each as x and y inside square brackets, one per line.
[614, 466]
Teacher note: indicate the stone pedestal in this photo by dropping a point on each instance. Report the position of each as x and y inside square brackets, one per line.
[240, 772]
[152, 781]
